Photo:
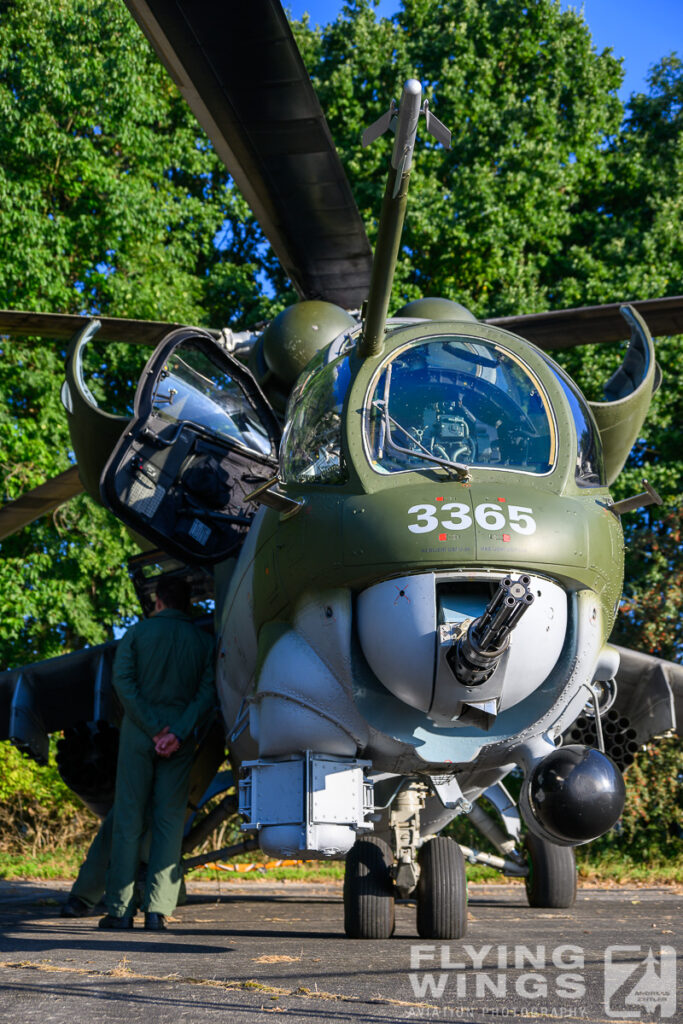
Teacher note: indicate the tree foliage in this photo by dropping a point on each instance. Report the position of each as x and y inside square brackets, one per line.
[112, 201]
[652, 823]
[111, 194]
[529, 103]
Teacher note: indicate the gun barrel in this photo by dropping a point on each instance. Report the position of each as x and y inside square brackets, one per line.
[475, 657]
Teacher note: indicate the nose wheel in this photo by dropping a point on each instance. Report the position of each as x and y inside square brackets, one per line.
[369, 890]
[441, 890]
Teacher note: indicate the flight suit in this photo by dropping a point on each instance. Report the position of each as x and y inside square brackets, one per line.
[163, 675]
[90, 883]
[91, 880]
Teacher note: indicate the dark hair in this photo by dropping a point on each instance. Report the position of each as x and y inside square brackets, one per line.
[175, 593]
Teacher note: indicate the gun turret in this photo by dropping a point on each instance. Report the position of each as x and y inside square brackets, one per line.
[475, 657]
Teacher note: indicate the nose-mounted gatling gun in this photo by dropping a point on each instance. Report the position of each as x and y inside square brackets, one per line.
[476, 655]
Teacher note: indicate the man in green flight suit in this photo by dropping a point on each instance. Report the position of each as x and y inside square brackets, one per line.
[88, 889]
[163, 675]
[91, 882]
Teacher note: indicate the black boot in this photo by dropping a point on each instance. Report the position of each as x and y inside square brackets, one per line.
[75, 907]
[119, 923]
[155, 922]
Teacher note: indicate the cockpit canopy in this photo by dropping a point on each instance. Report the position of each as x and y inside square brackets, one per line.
[192, 388]
[203, 437]
[457, 400]
[311, 449]
[450, 400]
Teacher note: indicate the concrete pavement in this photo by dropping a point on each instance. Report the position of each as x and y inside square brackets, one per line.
[245, 951]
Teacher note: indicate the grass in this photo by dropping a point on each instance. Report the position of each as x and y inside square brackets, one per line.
[54, 864]
[594, 868]
[622, 869]
[313, 871]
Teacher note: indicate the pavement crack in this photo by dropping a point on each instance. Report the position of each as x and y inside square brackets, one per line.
[122, 971]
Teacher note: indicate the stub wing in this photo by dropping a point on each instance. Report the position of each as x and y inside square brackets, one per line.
[650, 693]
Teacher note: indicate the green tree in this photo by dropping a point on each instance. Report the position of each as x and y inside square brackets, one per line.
[112, 201]
[627, 232]
[530, 104]
[111, 194]
[627, 242]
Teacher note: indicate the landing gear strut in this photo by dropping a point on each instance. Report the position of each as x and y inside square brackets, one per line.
[549, 870]
[432, 873]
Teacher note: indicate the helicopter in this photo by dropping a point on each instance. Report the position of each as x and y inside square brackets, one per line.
[435, 509]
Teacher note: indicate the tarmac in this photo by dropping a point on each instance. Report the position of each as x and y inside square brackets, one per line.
[244, 951]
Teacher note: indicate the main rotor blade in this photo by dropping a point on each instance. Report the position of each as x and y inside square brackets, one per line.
[590, 325]
[240, 70]
[39, 501]
[65, 325]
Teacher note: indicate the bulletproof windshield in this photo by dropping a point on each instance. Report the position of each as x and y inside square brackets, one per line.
[460, 402]
[191, 388]
[311, 449]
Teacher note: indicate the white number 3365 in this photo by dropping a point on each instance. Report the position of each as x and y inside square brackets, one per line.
[454, 515]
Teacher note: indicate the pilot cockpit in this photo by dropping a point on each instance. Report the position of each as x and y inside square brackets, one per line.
[454, 401]
[458, 402]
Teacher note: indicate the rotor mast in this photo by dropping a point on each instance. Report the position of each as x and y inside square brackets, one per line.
[403, 121]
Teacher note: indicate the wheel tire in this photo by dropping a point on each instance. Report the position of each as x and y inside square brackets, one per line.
[551, 881]
[369, 890]
[441, 890]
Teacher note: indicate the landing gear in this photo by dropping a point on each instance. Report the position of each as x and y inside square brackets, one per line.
[369, 890]
[549, 871]
[379, 873]
[551, 881]
[441, 890]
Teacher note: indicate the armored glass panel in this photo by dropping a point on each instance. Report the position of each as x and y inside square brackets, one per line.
[458, 400]
[193, 389]
[311, 449]
[590, 467]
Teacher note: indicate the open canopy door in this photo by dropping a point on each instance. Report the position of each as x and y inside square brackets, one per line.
[202, 437]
